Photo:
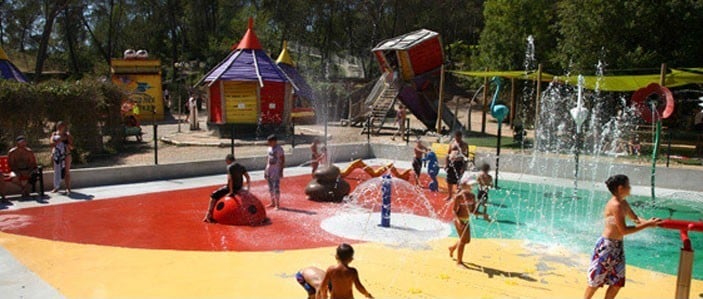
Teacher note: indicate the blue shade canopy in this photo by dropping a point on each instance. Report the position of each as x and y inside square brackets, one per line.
[246, 65]
[301, 87]
[9, 71]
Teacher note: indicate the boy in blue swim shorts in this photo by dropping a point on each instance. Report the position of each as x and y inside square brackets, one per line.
[310, 279]
[608, 259]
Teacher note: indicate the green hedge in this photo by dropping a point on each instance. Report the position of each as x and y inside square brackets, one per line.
[91, 107]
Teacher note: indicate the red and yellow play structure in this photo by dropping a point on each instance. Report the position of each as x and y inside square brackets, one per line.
[359, 164]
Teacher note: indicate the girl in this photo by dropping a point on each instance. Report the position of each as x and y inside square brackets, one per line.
[463, 205]
[62, 144]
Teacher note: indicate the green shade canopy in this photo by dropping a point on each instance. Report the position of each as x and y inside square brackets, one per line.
[605, 83]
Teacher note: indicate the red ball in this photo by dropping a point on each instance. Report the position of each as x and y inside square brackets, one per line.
[242, 209]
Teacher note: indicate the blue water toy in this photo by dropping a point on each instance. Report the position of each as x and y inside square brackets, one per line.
[432, 170]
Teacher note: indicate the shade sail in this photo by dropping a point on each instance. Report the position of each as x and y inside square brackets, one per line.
[620, 83]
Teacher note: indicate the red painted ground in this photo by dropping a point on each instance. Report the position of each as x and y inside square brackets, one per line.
[173, 220]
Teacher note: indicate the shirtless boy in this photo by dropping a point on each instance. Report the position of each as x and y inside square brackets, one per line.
[420, 151]
[341, 277]
[310, 279]
[608, 259]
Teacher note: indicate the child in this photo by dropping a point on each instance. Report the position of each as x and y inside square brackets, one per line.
[485, 182]
[275, 162]
[608, 260]
[420, 151]
[341, 277]
[315, 155]
[310, 279]
[400, 120]
[463, 205]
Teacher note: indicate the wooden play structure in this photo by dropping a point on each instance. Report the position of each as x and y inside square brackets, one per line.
[8, 71]
[141, 77]
[374, 173]
[413, 74]
[248, 89]
[303, 95]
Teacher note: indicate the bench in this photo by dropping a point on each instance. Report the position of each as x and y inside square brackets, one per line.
[441, 150]
[135, 131]
[5, 170]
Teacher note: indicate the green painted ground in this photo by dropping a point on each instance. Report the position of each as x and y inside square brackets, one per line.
[548, 214]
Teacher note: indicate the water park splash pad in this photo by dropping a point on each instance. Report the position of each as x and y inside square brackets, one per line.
[539, 232]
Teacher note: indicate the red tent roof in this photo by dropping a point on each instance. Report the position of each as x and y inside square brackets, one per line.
[249, 41]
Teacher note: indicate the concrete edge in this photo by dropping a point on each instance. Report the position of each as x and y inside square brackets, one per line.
[547, 166]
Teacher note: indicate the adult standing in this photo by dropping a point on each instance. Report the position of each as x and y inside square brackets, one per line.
[455, 163]
[275, 162]
[62, 144]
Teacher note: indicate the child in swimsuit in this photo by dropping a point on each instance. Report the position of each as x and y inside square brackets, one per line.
[463, 205]
[310, 279]
[608, 259]
[485, 182]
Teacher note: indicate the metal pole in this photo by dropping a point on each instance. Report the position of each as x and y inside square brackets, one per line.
[441, 99]
[500, 126]
[407, 131]
[483, 106]
[231, 139]
[511, 118]
[292, 142]
[156, 138]
[368, 130]
[683, 278]
[576, 166]
[668, 148]
[327, 111]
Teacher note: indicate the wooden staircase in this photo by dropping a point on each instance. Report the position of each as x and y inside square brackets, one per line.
[379, 103]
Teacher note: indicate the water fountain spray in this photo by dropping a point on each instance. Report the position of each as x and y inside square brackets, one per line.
[579, 114]
[499, 112]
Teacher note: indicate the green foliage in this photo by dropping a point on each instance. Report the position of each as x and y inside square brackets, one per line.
[508, 24]
[90, 107]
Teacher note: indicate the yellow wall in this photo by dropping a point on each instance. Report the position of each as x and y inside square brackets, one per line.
[241, 102]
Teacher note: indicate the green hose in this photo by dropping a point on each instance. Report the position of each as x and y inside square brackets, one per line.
[655, 151]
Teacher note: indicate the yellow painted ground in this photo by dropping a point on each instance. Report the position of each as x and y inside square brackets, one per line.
[498, 269]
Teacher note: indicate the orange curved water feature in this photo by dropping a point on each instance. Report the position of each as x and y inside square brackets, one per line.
[359, 164]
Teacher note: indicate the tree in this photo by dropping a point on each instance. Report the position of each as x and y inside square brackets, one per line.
[508, 24]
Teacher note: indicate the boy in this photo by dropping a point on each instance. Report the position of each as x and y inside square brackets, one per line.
[310, 279]
[420, 150]
[485, 182]
[608, 260]
[275, 162]
[455, 163]
[341, 277]
[235, 173]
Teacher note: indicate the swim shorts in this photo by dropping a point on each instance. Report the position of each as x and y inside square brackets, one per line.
[455, 171]
[417, 165]
[301, 280]
[607, 264]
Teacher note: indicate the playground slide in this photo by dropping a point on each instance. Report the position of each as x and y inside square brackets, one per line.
[423, 108]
